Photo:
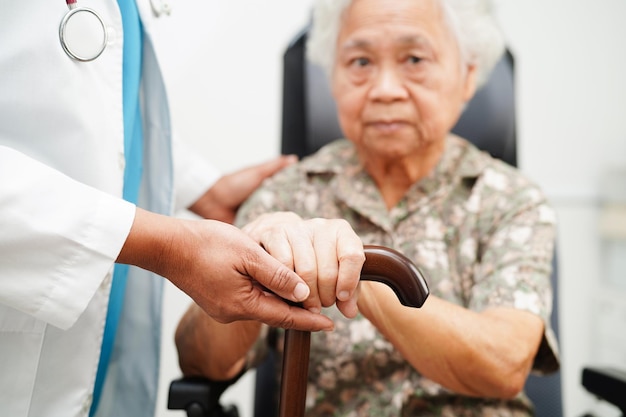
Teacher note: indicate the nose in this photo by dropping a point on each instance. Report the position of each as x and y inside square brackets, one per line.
[388, 85]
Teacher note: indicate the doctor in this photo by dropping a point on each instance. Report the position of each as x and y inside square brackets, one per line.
[89, 175]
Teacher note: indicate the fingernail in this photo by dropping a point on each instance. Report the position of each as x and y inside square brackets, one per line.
[301, 292]
[315, 310]
[343, 295]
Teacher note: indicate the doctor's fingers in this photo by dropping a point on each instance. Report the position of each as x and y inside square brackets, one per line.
[248, 301]
[230, 262]
[273, 311]
[236, 187]
[275, 276]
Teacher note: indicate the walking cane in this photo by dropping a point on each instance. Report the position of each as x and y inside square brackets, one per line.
[381, 264]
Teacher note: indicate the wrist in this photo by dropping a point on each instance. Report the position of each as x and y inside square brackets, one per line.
[151, 243]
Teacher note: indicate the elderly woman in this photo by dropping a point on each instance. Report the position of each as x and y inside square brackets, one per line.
[401, 73]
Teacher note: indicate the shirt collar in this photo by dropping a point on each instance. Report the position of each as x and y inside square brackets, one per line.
[460, 159]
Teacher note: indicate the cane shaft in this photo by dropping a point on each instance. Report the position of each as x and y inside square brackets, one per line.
[381, 264]
[294, 373]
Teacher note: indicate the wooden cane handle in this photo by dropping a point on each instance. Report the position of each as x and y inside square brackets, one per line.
[381, 264]
[390, 267]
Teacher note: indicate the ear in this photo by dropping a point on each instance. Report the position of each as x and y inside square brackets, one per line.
[469, 88]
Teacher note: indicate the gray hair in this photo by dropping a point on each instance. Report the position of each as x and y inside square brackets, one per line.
[480, 40]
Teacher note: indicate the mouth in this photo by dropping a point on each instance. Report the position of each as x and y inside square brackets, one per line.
[387, 126]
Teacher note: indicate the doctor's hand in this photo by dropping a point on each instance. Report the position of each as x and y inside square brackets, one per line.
[326, 253]
[222, 269]
[221, 201]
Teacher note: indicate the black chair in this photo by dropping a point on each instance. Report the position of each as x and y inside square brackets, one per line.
[200, 397]
[309, 121]
[607, 384]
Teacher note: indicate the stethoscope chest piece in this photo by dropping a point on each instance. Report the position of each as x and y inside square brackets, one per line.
[82, 33]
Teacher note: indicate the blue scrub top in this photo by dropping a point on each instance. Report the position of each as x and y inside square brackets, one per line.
[133, 151]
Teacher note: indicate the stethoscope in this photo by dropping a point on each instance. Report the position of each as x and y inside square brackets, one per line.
[82, 31]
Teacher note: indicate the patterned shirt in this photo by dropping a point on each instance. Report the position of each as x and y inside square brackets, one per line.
[481, 233]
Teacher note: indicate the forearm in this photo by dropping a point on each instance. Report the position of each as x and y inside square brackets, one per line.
[486, 354]
[212, 349]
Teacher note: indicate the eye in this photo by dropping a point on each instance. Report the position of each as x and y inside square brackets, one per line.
[412, 59]
[360, 62]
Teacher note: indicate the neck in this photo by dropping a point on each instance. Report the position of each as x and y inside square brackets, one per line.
[394, 176]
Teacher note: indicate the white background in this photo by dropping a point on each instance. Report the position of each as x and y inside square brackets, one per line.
[222, 62]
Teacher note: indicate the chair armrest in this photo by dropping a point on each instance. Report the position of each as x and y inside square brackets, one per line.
[608, 384]
[200, 397]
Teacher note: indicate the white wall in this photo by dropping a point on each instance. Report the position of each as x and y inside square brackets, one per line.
[571, 113]
[223, 64]
[222, 61]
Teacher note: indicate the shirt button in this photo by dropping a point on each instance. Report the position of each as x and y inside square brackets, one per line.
[121, 161]
[161, 7]
[106, 281]
[87, 404]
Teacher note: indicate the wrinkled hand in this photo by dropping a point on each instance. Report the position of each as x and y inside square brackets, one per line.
[327, 254]
[223, 199]
[222, 269]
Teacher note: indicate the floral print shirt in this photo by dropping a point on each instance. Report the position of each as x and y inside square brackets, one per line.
[481, 233]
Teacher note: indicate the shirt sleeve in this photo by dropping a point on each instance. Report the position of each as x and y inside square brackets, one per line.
[517, 254]
[59, 239]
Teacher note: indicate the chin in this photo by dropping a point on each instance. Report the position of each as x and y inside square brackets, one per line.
[392, 145]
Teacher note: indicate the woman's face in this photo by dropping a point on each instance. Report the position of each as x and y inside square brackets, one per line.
[398, 78]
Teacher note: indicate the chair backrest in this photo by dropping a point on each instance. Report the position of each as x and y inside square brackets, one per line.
[309, 121]
[309, 118]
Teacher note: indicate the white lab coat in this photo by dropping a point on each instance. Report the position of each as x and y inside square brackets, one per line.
[62, 221]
